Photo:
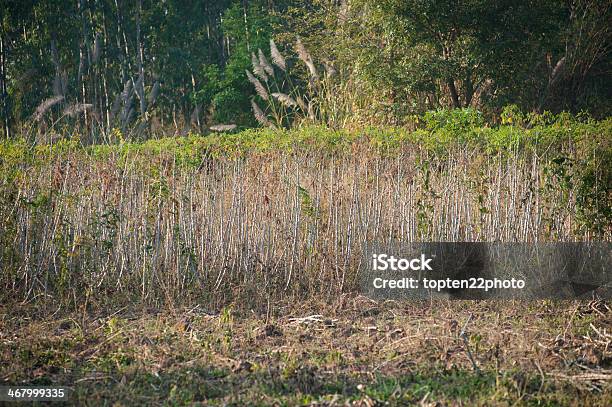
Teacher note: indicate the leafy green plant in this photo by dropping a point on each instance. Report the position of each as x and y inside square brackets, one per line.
[453, 120]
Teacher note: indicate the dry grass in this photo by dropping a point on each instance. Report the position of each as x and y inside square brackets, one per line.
[269, 226]
[349, 352]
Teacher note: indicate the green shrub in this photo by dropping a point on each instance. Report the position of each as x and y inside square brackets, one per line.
[453, 120]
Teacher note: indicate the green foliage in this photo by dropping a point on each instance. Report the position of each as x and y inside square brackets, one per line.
[308, 205]
[188, 57]
[248, 29]
[444, 53]
[145, 66]
[407, 57]
[211, 84]
[442, 129]
[454, 120]
[592, 171]
[229, 106]
[512, 115]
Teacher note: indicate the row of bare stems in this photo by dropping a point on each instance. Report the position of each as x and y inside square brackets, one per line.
[270, 225]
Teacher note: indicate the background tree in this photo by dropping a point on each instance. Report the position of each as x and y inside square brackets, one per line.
[149, 68]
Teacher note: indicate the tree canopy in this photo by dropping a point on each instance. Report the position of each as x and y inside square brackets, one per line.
[145, 66]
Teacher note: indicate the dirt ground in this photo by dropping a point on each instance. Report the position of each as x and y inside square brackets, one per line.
[352, 352]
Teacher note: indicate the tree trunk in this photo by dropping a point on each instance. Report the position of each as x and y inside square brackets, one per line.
[469, 91]
[140, 62]
[453, 92]
[3, 88]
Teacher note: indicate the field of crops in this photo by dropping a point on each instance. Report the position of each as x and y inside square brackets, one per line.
[265, 214]
[222, 269]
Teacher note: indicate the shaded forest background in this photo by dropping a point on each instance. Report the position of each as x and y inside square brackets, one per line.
[114, 69]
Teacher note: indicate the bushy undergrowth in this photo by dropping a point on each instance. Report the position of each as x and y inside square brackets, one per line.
[264, 214]
[439, 131]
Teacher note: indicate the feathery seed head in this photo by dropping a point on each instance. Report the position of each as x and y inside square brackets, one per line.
[260, 115]
[305, 57]
[258, 69]
[45, 106]
[259, 88]
[263, 61]
[285, 99]
[277, 57]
